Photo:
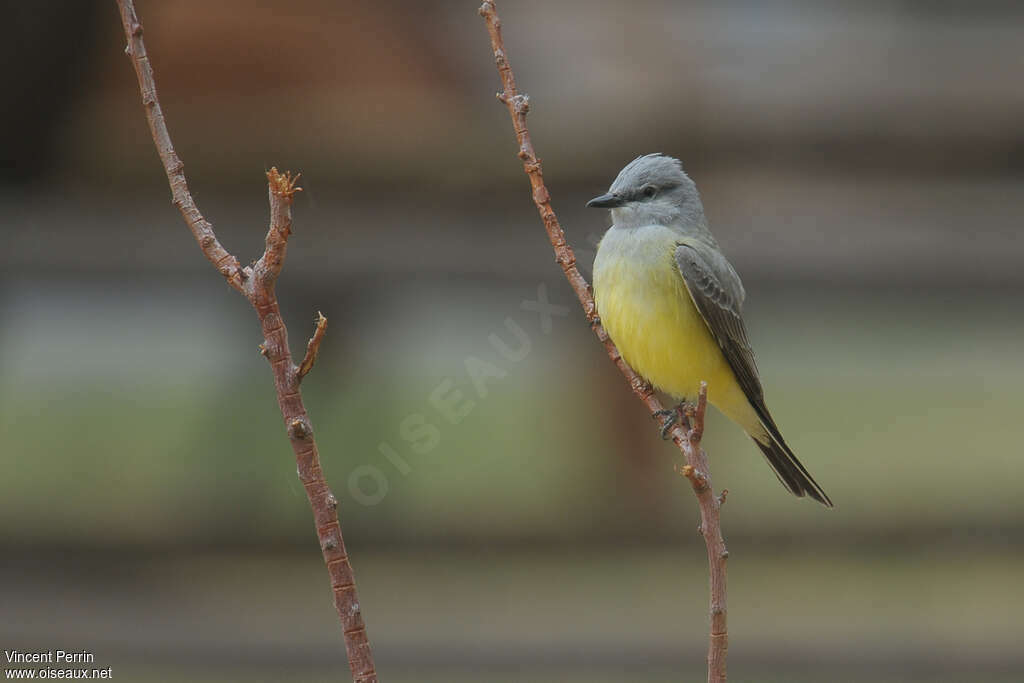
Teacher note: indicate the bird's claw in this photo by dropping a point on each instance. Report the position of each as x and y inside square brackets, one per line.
[669, 419]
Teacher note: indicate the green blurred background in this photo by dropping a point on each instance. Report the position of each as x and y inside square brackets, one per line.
[862, 165]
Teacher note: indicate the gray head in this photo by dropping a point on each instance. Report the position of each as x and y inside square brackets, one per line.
[652, 189]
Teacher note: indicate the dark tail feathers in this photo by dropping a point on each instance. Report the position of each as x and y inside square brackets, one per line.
[789, 470]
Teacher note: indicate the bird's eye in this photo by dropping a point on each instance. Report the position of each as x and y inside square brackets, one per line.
[649, 191]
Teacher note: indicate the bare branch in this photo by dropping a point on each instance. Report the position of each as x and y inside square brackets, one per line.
[258, 286]
[281, 188]
[201, 229]
[313, 347]
[688, 438]
[711, 530]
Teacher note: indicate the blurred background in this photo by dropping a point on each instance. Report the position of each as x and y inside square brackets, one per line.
[862, 164]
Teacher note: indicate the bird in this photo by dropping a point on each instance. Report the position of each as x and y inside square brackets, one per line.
[673, 305]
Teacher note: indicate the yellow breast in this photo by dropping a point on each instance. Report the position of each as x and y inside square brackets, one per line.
[644, 305]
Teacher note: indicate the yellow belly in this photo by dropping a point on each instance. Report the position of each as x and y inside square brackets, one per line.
[644, 305]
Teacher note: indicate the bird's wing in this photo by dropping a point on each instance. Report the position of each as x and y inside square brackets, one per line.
[718, 295]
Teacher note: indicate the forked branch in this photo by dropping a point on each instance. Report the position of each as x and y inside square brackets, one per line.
[686, 436]
[257, 284]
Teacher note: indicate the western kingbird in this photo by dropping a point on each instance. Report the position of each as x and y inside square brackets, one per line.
[672, 304]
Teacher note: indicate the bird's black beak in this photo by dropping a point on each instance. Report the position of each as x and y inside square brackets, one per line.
[606, 201]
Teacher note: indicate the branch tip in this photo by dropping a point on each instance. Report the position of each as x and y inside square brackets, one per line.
[283, 184]
[702, 400]
[698, 479]
[313, 347]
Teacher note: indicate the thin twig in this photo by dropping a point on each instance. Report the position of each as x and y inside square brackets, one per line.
[257, 284]
[201, 229]
[688, 439]
[313, 347]
[699, 474]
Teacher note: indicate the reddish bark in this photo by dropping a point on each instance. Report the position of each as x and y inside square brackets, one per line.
[257, 285]
[685, 436]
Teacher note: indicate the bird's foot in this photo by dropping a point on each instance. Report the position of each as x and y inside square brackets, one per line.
[670, 417]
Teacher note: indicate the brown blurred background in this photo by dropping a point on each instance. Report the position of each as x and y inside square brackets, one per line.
[862, 164]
